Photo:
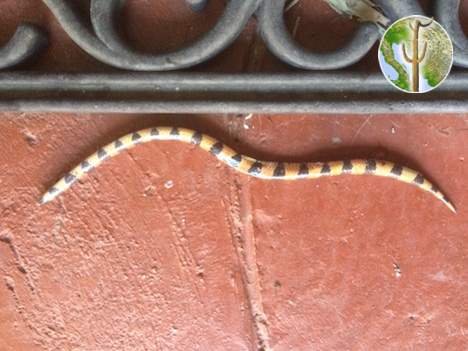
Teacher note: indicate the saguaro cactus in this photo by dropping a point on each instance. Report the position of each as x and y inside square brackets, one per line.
[416, 59]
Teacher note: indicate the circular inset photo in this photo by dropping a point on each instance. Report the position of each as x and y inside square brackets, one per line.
[416, 54]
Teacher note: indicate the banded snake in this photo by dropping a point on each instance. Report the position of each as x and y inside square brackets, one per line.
[247, 165]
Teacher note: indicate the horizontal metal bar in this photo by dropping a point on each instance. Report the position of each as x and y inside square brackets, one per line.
[311, 82]
[326, 92]
[317, 89]
[237, 107]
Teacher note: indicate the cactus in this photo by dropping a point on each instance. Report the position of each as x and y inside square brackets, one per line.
[416, 59]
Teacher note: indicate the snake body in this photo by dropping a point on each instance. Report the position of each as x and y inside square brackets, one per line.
[245, 164]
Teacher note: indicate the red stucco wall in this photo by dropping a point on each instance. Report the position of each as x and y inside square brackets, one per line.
[164, 248]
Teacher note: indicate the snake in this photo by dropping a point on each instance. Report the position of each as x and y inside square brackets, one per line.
[245, 164]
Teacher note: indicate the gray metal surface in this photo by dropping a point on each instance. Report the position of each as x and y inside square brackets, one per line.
[328, 92]
[220, 93]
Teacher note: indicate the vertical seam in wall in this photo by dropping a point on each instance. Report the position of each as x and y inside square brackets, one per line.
[243, 238]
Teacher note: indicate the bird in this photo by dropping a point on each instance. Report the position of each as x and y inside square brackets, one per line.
[361, 10]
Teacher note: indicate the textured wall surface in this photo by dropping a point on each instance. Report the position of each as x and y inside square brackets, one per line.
[164, 248]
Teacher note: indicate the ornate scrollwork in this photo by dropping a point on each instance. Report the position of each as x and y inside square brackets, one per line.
[103, 42]
[25, 43]
[280, 42]
[447, 13]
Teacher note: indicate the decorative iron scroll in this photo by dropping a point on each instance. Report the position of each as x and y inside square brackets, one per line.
[102, 41]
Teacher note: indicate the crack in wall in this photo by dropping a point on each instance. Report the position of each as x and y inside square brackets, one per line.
[7, 238]
[243, 238]
[13, 280]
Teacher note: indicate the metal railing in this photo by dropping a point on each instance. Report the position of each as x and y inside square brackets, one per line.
[335, 90]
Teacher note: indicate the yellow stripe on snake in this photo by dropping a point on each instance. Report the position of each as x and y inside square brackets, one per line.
[245, 164]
